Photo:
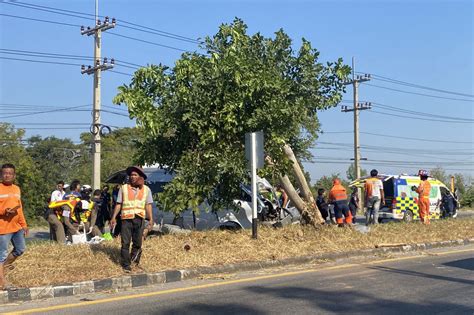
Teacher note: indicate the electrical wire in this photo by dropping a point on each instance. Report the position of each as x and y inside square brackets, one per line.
[119, 62]
[415, 93]
[78, 14]
[419, 118]
[423, 114]
[395, 81]
[39, 20]
[146, 41]
[42, 61]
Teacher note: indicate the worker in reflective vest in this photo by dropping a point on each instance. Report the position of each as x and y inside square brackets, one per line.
[423, 191]
[338, 196]
[135, 201]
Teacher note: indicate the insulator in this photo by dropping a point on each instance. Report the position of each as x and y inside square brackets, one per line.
[112, 61]
[83, 67]
[105, 59]
[82, 28]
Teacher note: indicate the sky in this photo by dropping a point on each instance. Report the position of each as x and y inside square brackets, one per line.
[419, 54]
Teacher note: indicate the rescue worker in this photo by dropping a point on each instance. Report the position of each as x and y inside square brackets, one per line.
[322, 205]
[423, 191]
[338, 196]
[13, 227]
[448, 204]
[354, 204]
[68, 211]
[135, 201]
[374, 197]
[282, 196]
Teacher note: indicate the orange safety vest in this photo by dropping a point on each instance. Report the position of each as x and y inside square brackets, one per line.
[338, 192]
[133, 205]
[424, 189]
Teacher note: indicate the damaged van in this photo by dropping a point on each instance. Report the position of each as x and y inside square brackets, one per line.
[269, 207]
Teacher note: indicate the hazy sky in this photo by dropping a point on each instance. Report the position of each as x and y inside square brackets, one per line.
[424, 43]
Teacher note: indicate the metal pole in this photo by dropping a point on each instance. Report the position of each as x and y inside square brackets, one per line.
[253, 141]
[96, 104]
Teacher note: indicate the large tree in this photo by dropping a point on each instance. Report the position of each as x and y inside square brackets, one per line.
[28, 176]
[194, 116]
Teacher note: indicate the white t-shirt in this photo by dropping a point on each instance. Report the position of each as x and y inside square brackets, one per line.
[376, 187]
[57, 195]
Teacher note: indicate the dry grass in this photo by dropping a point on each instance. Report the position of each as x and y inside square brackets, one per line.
[46, 264]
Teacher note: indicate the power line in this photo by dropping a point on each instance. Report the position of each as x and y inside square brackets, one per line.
[42, 61]
[122, 73]
[65, 56]
[395, 81]
[147, 42]
[417, 139]
[421, 114]
[39, 20]
[419, 118]
[422, 94]
[78, 14]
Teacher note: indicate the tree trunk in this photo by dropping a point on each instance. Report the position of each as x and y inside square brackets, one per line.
[298, 202]
[311, 206]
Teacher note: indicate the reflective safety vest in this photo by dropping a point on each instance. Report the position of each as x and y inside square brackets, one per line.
[338, 192]
[133, 205]
[424, 189]
[57, 206]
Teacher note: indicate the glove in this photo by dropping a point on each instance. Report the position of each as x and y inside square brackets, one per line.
[413, 188]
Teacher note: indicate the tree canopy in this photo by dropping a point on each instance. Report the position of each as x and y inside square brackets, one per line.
[195, 115]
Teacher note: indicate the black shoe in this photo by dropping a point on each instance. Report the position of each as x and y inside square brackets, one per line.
[127, 269]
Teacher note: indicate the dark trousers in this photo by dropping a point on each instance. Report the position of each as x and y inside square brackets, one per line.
[341, 208]
[132, 231]
[353, 209]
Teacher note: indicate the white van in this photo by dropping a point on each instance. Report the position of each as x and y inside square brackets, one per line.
[401, 203]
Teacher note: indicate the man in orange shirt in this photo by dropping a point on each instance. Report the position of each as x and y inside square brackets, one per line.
[13, 226]
[423, 191]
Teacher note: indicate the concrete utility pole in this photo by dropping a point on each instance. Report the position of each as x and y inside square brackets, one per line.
[356, 79]
[96, 69]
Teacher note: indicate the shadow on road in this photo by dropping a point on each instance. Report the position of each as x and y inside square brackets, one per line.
[467, 263]
[350, 301]
[424, 275]
[217, 308]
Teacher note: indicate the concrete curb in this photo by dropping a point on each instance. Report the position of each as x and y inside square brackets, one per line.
[145, 279]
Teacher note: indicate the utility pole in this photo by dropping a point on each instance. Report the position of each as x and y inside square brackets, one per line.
[96, 69]
[356, 80]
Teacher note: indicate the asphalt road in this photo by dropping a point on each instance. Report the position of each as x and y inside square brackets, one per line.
[435, 282]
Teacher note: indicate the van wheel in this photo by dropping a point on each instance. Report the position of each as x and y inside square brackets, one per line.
[408, 217]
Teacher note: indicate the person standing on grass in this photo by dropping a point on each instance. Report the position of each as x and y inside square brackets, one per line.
[135, 201]
[374, 197]
[354, 204]
[423, 191]
[13, 226]
[338, 196]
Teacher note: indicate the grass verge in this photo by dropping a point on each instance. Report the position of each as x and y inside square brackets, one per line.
[51, 264]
